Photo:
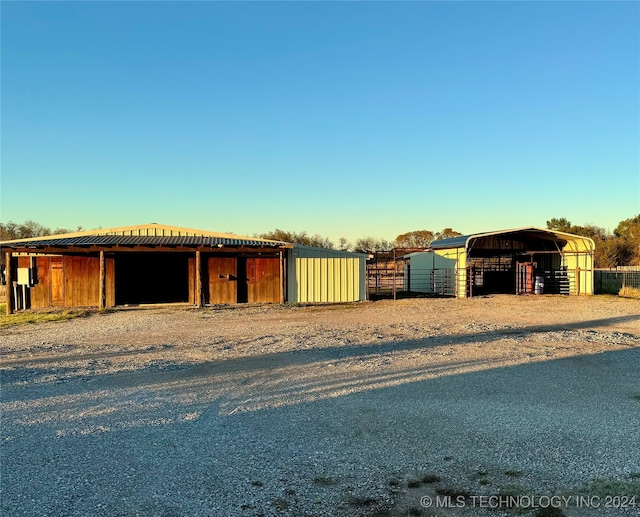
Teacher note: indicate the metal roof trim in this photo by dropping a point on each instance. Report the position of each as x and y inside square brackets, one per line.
[329, 250]
[139, 240]
[129, 231]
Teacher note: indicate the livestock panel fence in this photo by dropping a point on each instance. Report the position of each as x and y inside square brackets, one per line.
[610, 281]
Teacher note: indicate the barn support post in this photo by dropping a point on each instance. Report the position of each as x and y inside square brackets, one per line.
[102, 303]
[8, 288]
[198, 293]
[282, 276]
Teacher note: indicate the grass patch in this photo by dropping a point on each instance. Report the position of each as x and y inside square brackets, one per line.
[280, 504]
[453, 493]
[630, 292]
[636, 397]
[362, 502]
[33, 317]
[325, 481]
[602, 487]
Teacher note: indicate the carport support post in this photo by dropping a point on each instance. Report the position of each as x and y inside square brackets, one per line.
[102, 303]
[8, 288]
[198, 293]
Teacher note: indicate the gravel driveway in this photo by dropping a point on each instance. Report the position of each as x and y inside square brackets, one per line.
[362, 409]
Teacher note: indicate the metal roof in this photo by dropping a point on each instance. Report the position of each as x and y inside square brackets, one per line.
[139, 240]
[463, 240]
[453, 242]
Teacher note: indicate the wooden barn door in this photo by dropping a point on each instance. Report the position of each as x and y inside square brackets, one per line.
[57, 282]
[263, 280]
[223, 279]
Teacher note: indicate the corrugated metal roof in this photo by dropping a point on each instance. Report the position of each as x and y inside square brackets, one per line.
[140, 240]
[453, 242]
[462, 240]
[148, 230]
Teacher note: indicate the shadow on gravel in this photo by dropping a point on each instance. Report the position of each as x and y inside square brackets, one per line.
[265, 380]
[100, 354]
[194, 442]
[343, 351]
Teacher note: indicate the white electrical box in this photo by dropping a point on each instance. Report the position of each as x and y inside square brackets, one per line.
[26, 276]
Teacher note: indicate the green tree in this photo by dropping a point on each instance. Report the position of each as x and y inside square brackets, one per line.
[629, 231]
[591, 231]
[560, 224]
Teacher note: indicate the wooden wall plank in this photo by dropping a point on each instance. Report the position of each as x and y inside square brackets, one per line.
[57, 281]
[111, 280]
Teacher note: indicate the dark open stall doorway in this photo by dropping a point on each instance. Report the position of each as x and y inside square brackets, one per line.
[151, 278]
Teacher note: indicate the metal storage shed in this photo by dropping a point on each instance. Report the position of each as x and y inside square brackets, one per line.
[518, 261]
[164, 264]
[325, 275]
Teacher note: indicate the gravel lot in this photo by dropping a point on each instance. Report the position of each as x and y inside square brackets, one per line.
[340, 410]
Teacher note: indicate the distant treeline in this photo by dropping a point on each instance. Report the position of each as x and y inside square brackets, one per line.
[620, 248]
[415, 239]
[11, 231]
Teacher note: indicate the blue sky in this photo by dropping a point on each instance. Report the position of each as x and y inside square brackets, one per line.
[339, 118]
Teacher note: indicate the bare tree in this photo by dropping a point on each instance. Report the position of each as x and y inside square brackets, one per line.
[316, 240]
[415, 239]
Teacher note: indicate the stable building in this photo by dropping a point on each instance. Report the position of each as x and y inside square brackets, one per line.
[516, 261]
[154, 263]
